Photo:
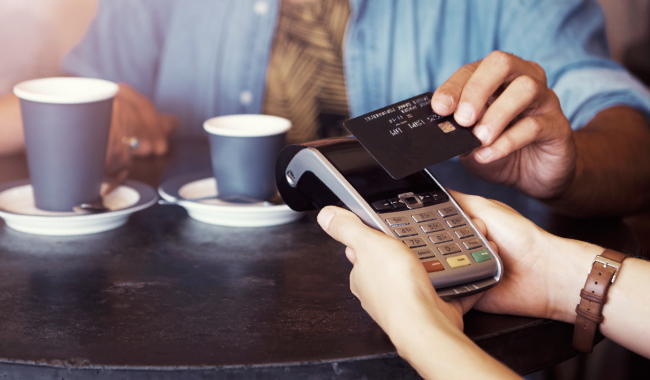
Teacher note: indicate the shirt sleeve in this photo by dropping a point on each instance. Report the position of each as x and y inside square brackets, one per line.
[122, 44]
[567, 38]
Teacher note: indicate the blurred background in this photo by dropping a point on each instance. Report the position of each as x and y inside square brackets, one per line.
[36, 34]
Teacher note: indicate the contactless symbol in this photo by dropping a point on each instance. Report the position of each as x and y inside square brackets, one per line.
[447, 127]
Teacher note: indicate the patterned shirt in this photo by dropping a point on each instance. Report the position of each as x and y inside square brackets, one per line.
[305, 81]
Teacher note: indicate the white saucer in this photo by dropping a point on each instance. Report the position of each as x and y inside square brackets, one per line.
[182, 190]
[19, 213]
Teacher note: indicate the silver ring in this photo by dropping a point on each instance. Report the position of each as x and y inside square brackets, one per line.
[132, 141]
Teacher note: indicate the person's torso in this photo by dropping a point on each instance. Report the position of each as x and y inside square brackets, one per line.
[215, 54]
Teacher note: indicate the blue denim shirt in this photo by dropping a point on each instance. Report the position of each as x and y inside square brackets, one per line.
[202, 58]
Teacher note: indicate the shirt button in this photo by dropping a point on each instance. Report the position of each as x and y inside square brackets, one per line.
[261, 8]
[246, 97]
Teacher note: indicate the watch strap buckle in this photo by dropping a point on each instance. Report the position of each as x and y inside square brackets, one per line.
[609, 262]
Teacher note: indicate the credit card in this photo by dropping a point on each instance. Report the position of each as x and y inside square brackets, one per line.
[408, 136]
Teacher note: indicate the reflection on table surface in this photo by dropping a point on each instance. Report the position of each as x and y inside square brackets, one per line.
[169, 292]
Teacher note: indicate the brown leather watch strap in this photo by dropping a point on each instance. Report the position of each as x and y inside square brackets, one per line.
[593, 298]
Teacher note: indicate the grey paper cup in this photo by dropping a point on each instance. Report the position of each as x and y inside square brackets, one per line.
[243, 150]
[66, 122]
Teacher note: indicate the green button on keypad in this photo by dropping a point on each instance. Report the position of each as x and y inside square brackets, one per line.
[482, 255]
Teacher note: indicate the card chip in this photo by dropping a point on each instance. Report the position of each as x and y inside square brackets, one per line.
[447, 127]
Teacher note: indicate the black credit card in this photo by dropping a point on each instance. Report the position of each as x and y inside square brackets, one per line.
[408, 136]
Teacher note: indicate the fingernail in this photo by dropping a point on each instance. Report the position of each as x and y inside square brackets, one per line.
[444, 101]
[484, 154]
[325, 217]
[481, 132]
[464, 113]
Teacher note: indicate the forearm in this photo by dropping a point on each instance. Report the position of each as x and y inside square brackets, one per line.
[11, 126]
[437, 349]
[612, 174]
[627, 309]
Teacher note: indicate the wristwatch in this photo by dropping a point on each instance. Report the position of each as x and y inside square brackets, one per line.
[593, 297]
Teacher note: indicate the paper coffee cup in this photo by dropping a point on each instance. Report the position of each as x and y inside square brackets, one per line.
[66, 123]
[243, 150]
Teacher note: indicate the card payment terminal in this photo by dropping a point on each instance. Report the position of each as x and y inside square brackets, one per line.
[415, 209]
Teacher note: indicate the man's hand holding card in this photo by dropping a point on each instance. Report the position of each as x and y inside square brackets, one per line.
[526, 138]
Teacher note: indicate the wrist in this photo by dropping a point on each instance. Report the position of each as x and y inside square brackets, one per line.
[571, 265]
[422, 336]
[456, 356]
[414, 320]
[568, 195]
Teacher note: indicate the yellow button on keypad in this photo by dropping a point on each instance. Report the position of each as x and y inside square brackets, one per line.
[458, 261]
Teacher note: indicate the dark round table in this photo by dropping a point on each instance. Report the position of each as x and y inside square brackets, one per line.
[168, 297]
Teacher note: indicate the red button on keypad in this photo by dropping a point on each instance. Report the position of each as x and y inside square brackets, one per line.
[433, 266]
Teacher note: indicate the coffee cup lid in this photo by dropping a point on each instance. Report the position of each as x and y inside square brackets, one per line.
[66, 90]
[247, 125]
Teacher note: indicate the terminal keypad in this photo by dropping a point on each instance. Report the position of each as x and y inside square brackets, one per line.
[435, 230]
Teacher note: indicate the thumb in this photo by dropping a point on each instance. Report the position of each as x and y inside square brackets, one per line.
[347, 228]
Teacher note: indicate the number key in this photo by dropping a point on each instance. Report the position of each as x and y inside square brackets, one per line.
[456, 222]
[432, 227]
[424, 217]
[414, 242]
[464, 233]
[406, 231]
[447, 211]
[441, 238]
[449, 249]
[397, 221]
